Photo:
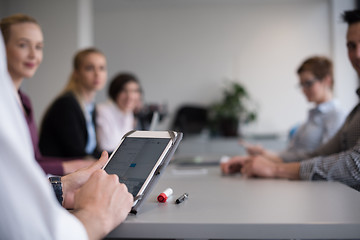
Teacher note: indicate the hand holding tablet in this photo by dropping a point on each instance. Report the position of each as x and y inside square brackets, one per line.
[140, 158]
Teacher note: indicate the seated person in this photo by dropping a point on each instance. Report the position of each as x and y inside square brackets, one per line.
[28, 206]
[24, 45]
[68, 126]
[116, 116]
[324, 120]
[336, 160]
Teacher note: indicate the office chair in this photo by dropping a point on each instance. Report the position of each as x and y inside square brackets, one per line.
[190, 119]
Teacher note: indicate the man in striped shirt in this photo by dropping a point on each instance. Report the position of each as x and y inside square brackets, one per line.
[336, 160]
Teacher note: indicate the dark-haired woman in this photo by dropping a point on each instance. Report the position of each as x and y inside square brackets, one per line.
[116, 116]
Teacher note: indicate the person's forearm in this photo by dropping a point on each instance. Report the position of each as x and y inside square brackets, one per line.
[287, 170]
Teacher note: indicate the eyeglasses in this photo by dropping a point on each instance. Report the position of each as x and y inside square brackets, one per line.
[307, 84]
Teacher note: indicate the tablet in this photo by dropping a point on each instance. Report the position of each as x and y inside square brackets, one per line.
[140, 158]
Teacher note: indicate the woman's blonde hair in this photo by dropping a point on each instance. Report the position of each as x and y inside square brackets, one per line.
[73, 84]
[7, 22]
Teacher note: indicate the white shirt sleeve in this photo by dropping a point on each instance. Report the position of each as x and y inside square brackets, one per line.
[111, 125]
[28, 206]
[104, 130]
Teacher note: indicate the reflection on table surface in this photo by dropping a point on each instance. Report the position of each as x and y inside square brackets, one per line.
[204, 150]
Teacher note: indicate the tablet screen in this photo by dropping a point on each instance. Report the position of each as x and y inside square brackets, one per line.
[134, 160]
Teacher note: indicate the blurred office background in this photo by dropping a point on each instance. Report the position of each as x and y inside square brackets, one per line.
[183, 50]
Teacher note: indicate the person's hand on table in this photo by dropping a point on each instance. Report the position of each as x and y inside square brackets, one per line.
[234, 164]
[249, 166]
[259, 166]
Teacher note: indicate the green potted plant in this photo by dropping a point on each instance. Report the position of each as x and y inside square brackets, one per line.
[233, 110]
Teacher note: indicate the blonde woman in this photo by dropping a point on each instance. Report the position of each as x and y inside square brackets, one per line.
[24, 47]
[68, 127]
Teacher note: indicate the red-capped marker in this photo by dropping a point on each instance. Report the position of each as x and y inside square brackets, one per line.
[164, 195]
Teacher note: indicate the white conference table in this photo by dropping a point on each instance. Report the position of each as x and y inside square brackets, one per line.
[232, 207]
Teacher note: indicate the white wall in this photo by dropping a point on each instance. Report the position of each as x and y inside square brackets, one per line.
[183, 50]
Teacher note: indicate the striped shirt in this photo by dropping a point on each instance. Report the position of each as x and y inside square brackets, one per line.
[339, 158]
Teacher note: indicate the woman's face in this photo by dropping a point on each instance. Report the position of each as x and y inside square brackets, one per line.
[24, 50]
[314, 89]
[92, 73]
[129, 98]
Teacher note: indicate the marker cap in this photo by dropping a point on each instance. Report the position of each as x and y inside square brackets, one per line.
[164, 195]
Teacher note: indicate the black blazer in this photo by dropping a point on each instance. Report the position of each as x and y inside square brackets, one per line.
[63, 130]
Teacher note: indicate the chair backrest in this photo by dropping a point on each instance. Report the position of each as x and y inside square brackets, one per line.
[190, 119]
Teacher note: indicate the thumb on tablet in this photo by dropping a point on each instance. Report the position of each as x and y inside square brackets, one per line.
[101, 162]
